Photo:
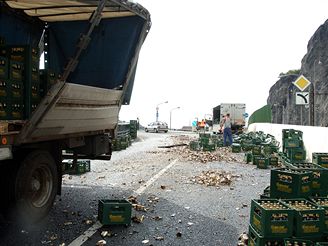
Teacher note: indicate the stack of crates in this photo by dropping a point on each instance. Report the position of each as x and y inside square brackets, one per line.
[23, 79]
[11, 87]
[293, 146]
[82, 166]
[270, 222]
[133, 128]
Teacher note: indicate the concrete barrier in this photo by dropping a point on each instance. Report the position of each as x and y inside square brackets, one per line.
[315, 138]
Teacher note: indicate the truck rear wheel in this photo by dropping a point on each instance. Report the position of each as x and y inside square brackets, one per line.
[36, 186]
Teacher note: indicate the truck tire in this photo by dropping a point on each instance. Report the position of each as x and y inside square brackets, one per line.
[35, 186]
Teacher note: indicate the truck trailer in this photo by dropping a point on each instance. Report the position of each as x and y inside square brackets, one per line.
[237, 116]
[71, 106]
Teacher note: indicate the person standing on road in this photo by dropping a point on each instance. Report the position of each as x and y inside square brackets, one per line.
[227, 130]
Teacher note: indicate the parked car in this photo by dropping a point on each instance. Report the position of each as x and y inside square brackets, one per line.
[157, 126]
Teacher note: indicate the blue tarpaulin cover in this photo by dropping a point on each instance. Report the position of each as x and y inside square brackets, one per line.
[106, 61]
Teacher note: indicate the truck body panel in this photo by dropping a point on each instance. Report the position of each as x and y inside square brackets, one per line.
[79, 109]
[236, 111]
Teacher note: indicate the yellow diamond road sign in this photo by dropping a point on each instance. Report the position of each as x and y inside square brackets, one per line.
[302, 83]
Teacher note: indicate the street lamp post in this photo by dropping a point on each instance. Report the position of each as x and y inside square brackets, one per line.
[157, 108]
[171, 115]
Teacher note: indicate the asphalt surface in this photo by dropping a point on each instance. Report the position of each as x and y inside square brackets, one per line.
[179, 212]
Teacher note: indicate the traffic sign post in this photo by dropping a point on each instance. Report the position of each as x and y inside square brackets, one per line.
[304, 98]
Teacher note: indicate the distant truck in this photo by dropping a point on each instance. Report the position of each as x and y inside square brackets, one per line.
[237, 116]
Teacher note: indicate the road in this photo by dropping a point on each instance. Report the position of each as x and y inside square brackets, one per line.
[179, 211]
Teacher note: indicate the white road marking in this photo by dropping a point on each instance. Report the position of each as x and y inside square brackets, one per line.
[93, 229]
[153, 179]
[77, 186]
[87, 234]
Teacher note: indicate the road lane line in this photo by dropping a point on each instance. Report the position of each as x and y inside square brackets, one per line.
[153, 179]
[86, 235]
[93, 229]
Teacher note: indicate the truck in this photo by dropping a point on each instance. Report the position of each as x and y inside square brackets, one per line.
[91, 50]
[237, 116]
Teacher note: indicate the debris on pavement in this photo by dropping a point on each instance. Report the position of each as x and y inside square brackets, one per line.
[145, 241]
[53, 237]
[139, 207]
[159, 238]
[106, 234]
[243, 239]
[221, 154]
[157, 218]
[132, 199]
[88, 222]
[138, 219]
[214, 178]
[179, 234]
[101, 242]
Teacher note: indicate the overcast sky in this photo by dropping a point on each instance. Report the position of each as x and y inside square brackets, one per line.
[199, 54]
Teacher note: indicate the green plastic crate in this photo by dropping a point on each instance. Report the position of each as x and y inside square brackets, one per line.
[247, 147]
[271, 218]
[267, 150]
[292, 133]
[273, 161]
[320, 159]
[194, 145]
[236, 148]
[290, 183]
[16, 91]
[114, 212]
[257, 150]
[296, 154]
[16, 71]
[293, 143]
[3, 67]
[5, 89]
[256, 239]
[21, 53]
[209, 147]
[266, 193]
[308, 221]
[322, 202]
[262, 162]
[319, 177]
[204, 140]
[17, 110]
[248, 157]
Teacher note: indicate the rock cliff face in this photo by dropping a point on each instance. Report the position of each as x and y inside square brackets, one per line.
[315, 68]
